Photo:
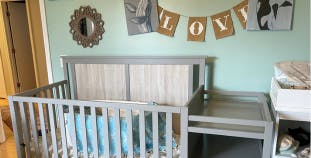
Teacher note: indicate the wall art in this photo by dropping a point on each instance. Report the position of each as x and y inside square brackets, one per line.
[141, 16]
[269, 14]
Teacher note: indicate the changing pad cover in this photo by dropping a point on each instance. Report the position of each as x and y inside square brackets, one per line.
[293, 74]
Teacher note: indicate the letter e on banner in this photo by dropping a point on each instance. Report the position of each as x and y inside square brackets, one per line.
[222, 24]
[240, 11]
[196, 29]
[168, 23]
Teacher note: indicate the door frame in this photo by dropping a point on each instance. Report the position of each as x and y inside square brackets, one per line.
[39, 45]
[6, 52]
[46, 41]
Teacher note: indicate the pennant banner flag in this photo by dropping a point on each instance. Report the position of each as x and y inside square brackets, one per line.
[222, 24]
[168, 23]
[196, 28]
[240, 11]
[160, 12]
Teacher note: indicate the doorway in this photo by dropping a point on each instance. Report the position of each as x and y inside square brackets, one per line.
[19, 44]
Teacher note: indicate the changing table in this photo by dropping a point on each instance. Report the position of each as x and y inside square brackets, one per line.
[228, 113]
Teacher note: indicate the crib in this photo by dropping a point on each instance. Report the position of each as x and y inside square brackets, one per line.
[104, 92]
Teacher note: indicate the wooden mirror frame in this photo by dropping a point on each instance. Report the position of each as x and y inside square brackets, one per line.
[96, 35]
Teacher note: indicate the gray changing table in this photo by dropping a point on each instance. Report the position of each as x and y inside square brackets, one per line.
[237, 114]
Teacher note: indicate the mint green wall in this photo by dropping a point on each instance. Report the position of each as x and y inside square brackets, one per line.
[242, 62]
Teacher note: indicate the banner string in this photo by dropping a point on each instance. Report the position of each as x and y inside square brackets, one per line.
[186, 16]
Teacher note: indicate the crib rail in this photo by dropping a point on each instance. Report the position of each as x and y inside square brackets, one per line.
[24, 114]
[56, 90]
[52, 138]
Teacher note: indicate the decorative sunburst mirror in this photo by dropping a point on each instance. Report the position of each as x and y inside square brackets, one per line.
[86, 26]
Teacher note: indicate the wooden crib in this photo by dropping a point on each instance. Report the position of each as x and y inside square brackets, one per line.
[40, 116]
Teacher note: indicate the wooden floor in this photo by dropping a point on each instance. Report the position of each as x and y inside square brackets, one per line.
[4, 102]
[7, 149]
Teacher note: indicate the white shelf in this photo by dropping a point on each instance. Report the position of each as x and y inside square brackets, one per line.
[291, 115]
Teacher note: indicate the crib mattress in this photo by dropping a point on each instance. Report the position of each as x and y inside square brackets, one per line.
[176, 151]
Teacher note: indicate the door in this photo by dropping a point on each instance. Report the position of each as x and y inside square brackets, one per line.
[22, 58]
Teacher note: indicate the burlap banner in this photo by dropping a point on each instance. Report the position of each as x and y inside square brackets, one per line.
[196, 29]
[222, 24]
[160, 12]
[168, 23]
[241, 12]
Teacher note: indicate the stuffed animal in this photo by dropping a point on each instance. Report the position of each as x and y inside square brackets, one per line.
[305, 153]
[287, 145]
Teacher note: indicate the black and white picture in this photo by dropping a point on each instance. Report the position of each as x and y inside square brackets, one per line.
[269, 14]
[141, 16]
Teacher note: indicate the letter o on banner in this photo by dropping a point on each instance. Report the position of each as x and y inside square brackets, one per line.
[196, 29]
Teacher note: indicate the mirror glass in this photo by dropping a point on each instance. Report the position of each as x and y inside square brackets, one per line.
[86, 26]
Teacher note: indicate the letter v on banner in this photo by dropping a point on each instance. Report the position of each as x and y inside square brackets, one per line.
[241, 12]
[168, 23]
[222, 24]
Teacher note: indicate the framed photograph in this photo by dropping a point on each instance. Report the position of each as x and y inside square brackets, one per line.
[141, 16]
[269, 14]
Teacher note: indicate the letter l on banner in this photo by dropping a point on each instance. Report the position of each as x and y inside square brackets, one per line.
[168, 23]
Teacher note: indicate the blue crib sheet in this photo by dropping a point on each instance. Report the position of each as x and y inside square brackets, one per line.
[123, 127]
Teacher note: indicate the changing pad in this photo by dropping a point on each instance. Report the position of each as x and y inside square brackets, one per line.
[293, 74]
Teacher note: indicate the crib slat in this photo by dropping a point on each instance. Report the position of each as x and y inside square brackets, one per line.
[106, 132]
[184, 132]
[18, 136]
[53, 127]
[142, 134]
[118, 133]
[51, 93]
[14, 111]
[155, 134]
[129, 132]
[168, 135]
[43, 130]
[53, 111]
[34, 128]
[55, 108]
[83, 127]
[47, 117]
[25, 127]
[73, 130]
[67, 90]
[94, 123]
[57, 92]
[62, 130]
[63, 91]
